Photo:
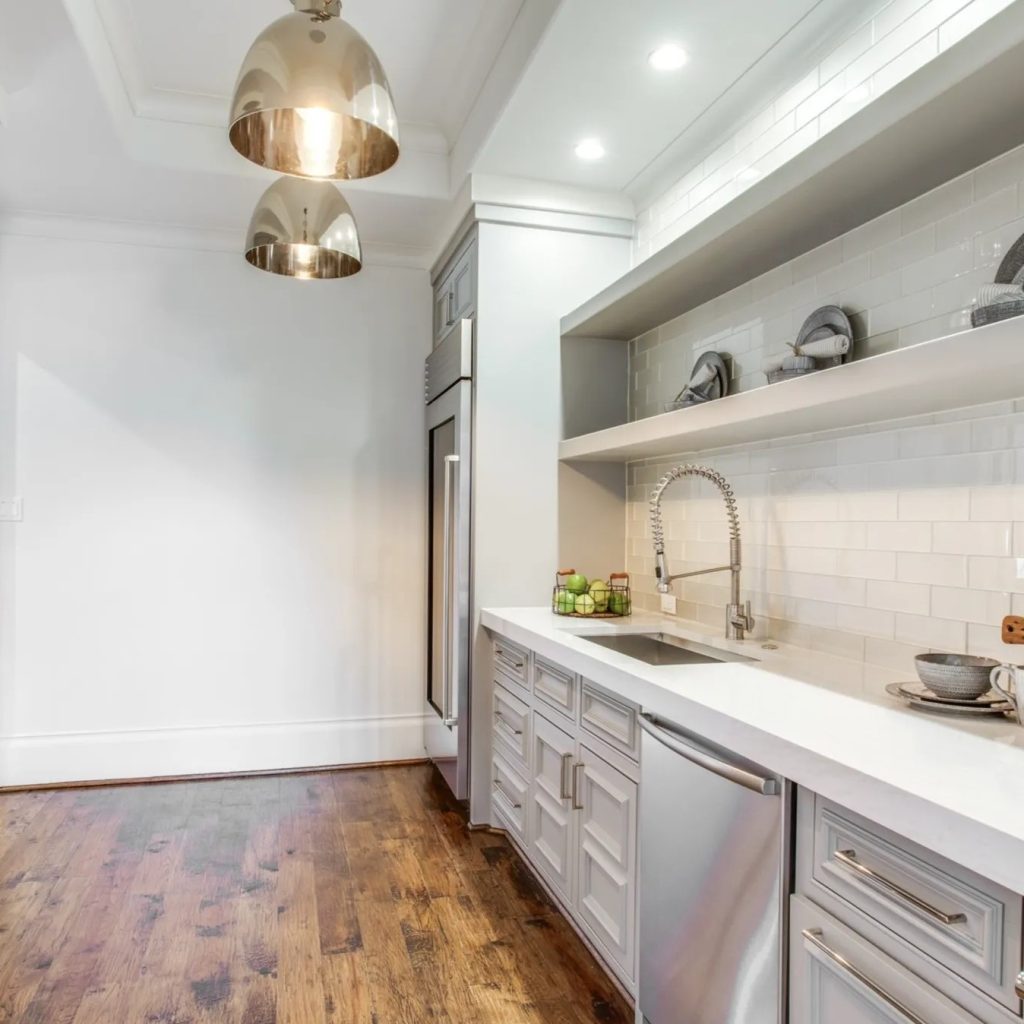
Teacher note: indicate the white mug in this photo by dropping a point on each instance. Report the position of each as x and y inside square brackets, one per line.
[1007, 682]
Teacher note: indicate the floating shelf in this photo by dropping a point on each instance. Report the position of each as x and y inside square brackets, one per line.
[982, 365]
[959, 110]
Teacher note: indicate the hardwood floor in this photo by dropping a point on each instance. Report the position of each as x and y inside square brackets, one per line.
[343, 898]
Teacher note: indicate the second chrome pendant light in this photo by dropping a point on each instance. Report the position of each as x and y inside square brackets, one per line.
[312, 101]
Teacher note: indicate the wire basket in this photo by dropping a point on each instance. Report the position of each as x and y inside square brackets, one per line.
[585, 601]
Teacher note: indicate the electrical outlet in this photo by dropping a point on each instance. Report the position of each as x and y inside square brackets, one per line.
[668, 604]
[11, 510]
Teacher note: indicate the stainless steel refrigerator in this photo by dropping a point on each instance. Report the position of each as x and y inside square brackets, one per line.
[449, 394]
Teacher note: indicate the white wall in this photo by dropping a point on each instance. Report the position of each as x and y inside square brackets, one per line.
[220, 566]
[528, 279]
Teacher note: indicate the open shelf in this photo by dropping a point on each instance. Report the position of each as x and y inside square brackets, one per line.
[982, 365]
[961, 109]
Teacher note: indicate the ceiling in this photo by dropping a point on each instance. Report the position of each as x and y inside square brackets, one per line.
[116, 109]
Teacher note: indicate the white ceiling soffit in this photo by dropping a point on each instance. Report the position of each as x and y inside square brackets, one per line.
[167, 69]
[590, 77]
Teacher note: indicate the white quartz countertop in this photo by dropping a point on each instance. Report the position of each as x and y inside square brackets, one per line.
[954, 785]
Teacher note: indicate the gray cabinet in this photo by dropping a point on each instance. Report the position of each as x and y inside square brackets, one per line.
[455, 290]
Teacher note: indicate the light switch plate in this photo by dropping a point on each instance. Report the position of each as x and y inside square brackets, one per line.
[11, 510]
[668, 604]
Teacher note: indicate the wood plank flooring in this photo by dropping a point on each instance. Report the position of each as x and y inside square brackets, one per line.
[355, 897]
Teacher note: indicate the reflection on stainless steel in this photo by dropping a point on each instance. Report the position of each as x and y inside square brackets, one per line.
[449, 444]
[663, 649]
[304, 229]
[848, 859]
[711, 883]
[814, 937]
[738, 619]
[312, 99]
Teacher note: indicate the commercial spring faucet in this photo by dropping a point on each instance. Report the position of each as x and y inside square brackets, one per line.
[738, 620]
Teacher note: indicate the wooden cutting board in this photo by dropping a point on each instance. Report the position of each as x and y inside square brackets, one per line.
[1013, 629]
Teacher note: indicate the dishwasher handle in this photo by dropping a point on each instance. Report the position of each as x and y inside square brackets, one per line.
[724, 769]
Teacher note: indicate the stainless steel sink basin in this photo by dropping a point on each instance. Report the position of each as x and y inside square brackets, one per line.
[663, 649]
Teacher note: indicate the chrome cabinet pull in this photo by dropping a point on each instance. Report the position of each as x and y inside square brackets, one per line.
[499, 788]
[566, 780]
[814, 937]
[848, 859]
[576, 805]
[499, 717]
[1019, 985]
[507, 659]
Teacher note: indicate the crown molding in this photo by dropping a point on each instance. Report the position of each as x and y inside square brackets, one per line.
[33, 224]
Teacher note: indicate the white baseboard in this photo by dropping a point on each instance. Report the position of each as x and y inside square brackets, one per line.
[154, 753]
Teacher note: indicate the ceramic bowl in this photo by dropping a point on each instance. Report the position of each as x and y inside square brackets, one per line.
[957, 676]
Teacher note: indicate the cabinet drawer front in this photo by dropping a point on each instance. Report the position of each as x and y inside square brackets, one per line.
[509, 793]
[837, 977]
[610, 720]
[966, 923]
[511, 727]
[512, 661]
[555, 686]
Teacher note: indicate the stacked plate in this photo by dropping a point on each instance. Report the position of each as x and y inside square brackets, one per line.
[708, 382]
[917, 695]
[821, 327]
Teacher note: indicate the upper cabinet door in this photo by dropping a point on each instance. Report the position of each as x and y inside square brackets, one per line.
[607, 855]
[552, 825]
[464, 287]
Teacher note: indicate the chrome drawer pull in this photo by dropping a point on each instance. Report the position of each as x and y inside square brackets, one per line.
[508, 659]
[501, 789]
[499, 717]
[566, 780]
[813, 936]
[848, 858]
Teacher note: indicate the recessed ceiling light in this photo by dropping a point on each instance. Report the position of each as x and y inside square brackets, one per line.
[590, 149]
[669, 57]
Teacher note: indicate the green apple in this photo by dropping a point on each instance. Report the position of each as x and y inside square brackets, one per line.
[599, 591]
[584, 604]
[577, 584]
[618, 603]
[565, 602]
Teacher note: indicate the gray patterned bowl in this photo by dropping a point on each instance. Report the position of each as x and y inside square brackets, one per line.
[957, 676]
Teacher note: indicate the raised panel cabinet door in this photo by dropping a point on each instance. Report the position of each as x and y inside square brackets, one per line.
[443, 306]
[607, 873]
[552, 832]
[464, 288]
[837, 977]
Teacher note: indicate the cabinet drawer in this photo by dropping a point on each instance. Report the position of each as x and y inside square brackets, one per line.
[837, 977]
[509, 792]
[512, 661]
[555, 687]
[511, 727]
[610, 719]
[966, 924]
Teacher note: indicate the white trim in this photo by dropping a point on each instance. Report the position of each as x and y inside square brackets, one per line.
[179, 236]
[553, 220]
[155, 753]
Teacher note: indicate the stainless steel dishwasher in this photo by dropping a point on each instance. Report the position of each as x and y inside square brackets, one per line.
[712, 862]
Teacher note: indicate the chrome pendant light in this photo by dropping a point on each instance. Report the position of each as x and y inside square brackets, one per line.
[312, 99]
[304, 229]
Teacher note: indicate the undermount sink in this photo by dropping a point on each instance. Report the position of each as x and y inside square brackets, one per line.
[663, 649]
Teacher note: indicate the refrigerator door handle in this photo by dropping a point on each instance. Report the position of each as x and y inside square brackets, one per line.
[449, 648]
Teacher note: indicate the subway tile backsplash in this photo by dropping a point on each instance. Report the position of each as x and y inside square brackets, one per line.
[912, 275]
[870, 543]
